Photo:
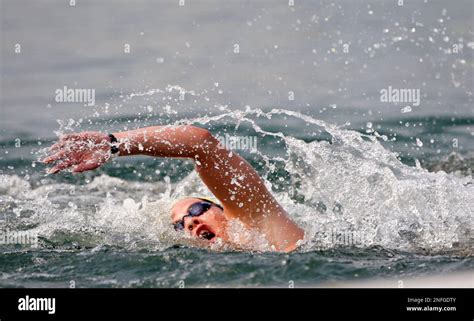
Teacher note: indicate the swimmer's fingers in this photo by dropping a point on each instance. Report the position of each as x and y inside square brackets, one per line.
[55, 157]
[86, 165]
[59, 151]
[65, 140]
[92, 161]
[61, 166]
[87, 150]
[74, 137]
[57, 146]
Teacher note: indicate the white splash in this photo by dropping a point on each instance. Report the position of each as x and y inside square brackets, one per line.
[351, 191]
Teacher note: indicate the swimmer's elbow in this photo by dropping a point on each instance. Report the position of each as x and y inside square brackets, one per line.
[201, 140]
[197, 133]
[201, 137]
[202, 134]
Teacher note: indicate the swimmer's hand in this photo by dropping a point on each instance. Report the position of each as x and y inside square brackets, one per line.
[81, 152]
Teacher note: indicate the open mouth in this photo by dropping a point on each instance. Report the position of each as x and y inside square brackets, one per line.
[205, 233]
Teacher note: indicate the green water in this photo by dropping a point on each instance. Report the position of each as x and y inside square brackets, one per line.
[178, 267]
[78, 243]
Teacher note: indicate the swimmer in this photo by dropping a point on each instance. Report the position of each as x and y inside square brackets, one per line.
[232, 180]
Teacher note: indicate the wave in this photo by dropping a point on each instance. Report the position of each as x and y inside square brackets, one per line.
[343, 187]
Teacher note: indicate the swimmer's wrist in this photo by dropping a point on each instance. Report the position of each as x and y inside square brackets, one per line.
[114, 144]
[122, 144]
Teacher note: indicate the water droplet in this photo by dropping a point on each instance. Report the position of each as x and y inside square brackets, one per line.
[419, 143]
[406, 109]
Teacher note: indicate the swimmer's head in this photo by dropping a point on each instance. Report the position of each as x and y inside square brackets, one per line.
[200, 218]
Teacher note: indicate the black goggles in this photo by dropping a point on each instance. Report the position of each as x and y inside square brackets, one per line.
[196, 209]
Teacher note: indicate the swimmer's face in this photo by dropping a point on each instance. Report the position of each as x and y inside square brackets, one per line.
[212, 223]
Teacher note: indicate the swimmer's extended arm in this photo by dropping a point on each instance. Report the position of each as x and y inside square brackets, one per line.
[229, 177]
